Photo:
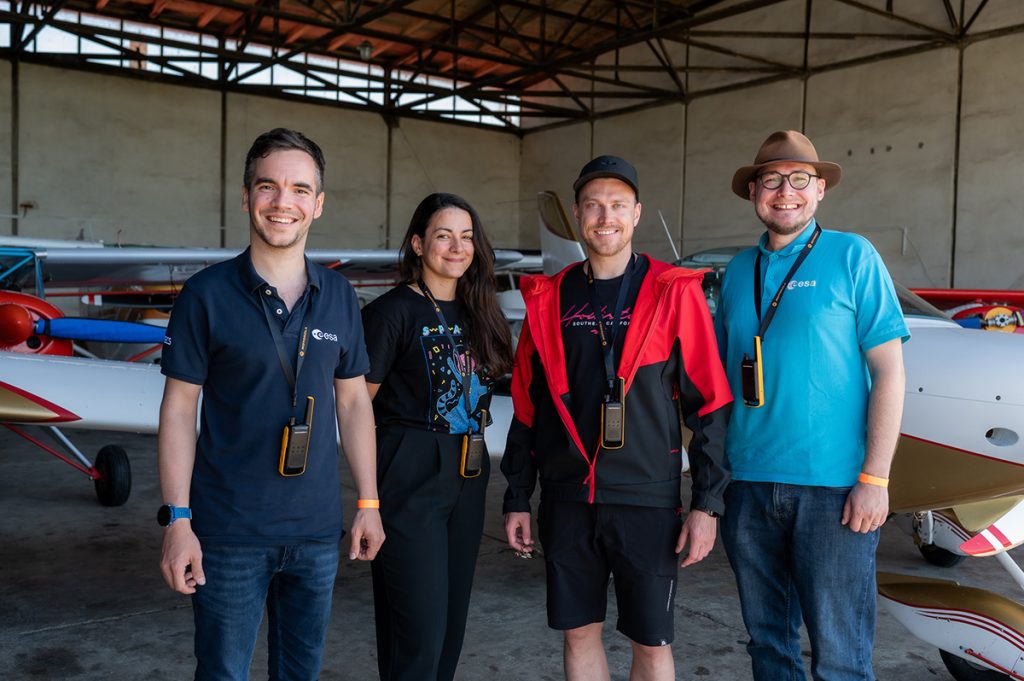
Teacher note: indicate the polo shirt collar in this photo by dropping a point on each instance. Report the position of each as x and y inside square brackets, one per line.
[253, 281]
[795, 245]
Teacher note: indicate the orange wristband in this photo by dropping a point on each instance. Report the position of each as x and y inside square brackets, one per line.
[368, 503]
[872, 480]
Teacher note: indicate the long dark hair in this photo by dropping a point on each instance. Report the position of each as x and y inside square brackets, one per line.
[489, 337]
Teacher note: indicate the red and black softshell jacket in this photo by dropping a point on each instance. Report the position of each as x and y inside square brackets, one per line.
[672, 374]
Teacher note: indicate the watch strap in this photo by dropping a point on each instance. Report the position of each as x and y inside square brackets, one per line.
[167, 514]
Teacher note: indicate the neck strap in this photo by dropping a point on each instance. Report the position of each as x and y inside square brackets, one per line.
[464, 370]
[773, 308]
[282, 355]
[608, 344]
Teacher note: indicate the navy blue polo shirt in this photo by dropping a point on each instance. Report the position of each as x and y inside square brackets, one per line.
[218, 338]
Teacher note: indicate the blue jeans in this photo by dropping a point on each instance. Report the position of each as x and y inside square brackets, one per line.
[793, 558]
[295, 583]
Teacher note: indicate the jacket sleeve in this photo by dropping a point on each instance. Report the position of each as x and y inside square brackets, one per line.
[705, 399]
[518, 464]
[709, 466]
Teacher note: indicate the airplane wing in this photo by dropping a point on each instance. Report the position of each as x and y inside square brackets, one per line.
[70, 264]
[62, 391]
[1002, 535]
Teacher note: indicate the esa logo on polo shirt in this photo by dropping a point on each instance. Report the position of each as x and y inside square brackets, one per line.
[324, 335]
[810, 283]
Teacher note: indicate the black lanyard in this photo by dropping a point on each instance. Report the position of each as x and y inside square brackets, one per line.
[782, 289]
[608, 345]
[464, 370]
[282, 355]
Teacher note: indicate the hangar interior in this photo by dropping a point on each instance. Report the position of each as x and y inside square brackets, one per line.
[128, 120]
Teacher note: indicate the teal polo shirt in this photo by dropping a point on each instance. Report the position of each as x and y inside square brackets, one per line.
[839, 304]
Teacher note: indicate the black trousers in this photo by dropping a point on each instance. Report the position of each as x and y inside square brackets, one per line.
[423, 575]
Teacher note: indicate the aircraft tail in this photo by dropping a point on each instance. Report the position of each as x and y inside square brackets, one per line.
[558, 240]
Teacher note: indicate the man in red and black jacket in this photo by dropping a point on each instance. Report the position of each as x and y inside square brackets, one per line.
[599, 404]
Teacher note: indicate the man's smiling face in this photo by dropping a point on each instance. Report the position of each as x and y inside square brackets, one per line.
[284, 198]
[786, 210]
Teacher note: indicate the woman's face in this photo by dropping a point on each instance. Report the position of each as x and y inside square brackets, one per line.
[446, 248]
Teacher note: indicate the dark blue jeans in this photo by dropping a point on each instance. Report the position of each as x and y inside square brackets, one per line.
[793, 558]
[295, 584]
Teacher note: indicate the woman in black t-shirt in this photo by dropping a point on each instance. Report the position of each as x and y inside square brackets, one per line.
[436, 342]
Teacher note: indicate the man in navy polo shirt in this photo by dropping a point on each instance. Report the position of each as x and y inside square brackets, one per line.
[275, 344]
[810, 332]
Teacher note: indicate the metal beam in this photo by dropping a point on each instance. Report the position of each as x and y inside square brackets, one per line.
[799, 35]
[977, 12]
[557, 65]
[42, 23]
[892, 16]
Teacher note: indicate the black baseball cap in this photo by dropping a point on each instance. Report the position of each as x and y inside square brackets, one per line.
[608, 166]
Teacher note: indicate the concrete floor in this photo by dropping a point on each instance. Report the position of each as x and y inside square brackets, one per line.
[81, 596]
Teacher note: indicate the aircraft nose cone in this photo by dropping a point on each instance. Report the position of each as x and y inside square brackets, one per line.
[16, 324]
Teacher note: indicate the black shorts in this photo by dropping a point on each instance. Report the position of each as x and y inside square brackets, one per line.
[584, 544]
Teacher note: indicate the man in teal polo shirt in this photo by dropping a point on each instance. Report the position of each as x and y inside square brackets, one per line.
[810, 332]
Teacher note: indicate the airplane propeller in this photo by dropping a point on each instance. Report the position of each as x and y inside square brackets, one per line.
[16, 324]
[28, 324]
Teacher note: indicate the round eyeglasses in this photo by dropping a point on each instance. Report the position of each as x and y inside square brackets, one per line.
[798, 179]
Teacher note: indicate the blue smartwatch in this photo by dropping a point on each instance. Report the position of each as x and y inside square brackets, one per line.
[167, 514]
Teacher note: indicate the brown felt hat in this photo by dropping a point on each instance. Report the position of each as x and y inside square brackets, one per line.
[780, 147]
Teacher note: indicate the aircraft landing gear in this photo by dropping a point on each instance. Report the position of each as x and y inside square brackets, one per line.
[940, 557]
[965, 670]
[116, 484]
[935, 534]
[112, 472]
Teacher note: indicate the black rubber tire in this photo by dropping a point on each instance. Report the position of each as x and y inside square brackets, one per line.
[940, 557]
[115, 486]
[965, 670]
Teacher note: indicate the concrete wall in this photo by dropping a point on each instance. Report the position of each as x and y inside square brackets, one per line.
[723, 133]
[990, 207]
[117, 159]
[551, 160]
[479, 165]
[355, 148]
[120, 159]
[892, 126]
[5, 146]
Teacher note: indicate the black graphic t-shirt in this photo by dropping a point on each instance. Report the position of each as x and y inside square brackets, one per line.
[410, 356]
[584, 361]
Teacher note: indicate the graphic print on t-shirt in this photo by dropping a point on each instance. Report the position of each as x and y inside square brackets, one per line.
[581, 316]
[446, 370]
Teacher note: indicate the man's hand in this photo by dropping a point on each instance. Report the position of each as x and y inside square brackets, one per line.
[181, 561]
[700, 530]
[517, 531]
[367, 535]
[866, 508]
